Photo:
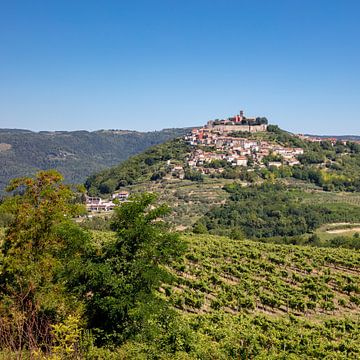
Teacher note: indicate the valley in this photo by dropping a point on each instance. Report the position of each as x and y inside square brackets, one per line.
[76, 154]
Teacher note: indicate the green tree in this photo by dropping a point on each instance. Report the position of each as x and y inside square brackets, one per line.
[122, 281]
[38, 248]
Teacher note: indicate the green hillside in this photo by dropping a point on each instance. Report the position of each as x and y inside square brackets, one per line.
[244, 300]
[324, 188]
[76, 154]
[327, 166]
[236, 276]
[151, 165]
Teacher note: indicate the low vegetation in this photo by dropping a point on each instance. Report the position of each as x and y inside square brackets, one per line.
[238, 276]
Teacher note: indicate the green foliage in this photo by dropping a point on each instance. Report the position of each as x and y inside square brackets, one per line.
[200, 228]
[41, 245]
[96, 223]
[272, 209]
[344, 241]
[312, 157]
[194, 175]
[123, 278]
[66, 337]
[150, 165]
[272, 157]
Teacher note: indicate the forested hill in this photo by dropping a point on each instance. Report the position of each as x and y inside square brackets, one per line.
[76, 154]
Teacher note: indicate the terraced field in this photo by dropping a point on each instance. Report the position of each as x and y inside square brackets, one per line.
[189, 200]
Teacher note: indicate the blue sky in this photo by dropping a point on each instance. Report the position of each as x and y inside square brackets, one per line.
[146, 65]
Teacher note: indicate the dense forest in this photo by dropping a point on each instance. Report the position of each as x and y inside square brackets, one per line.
[77, 154]
[151, 165]
[270, 210]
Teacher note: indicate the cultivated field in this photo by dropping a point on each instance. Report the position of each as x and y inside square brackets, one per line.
[244, 276]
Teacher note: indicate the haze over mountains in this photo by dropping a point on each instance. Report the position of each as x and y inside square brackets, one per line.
[76, 154]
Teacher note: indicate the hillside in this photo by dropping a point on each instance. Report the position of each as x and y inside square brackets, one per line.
[274, 153]
[243, 299]
[194, 187]
[249, 299]
[241, 275]
[76, 154]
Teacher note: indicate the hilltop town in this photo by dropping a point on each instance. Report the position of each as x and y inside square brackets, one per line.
[238, 147]
[227, 141]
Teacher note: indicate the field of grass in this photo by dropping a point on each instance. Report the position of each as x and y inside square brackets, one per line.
[324, 197]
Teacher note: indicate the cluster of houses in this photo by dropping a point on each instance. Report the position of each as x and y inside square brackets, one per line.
[220, 143]
[97, 204]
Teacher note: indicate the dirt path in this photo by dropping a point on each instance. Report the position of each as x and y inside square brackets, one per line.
[341, 231]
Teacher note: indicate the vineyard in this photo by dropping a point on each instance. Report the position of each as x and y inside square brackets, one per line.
[245, 299]
[236, 276]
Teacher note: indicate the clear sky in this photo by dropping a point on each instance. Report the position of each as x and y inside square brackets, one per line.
[152, 64]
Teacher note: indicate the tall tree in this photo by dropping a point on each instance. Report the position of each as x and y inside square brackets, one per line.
[40, 243]
[123, 281]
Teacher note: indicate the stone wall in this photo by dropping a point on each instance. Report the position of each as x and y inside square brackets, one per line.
[247, 128]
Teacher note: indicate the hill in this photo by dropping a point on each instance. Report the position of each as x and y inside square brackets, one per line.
[192, 178]
[76, 154]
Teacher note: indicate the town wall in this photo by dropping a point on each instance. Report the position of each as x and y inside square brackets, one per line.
[247, 128]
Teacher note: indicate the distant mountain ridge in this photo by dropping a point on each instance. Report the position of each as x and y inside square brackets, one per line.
[76, 154]
[340, 137]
